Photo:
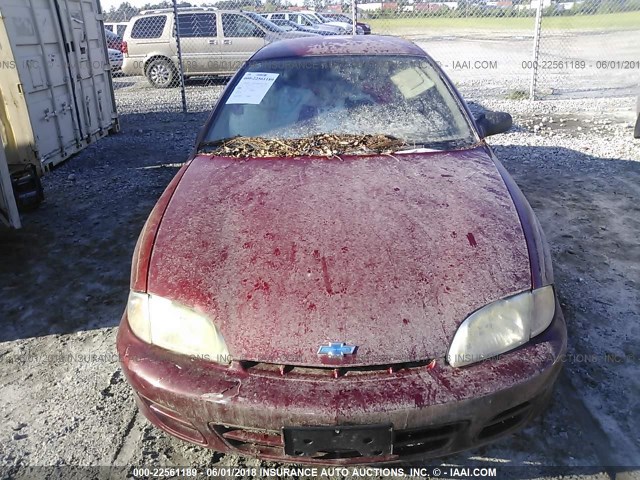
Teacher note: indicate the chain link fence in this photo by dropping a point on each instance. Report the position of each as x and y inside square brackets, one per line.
[589, 48]
[179, 57]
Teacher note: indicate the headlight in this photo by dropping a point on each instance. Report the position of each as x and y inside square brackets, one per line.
[166, 324]
[502, 326]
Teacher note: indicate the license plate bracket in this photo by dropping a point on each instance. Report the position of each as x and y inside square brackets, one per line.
[367, 440]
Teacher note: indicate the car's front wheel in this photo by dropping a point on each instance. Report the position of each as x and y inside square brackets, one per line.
[161, 73]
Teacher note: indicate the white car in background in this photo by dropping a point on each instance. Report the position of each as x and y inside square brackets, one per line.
[346, 27]
[309, 22]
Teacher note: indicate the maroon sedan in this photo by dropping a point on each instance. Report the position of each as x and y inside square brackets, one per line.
[350, 301]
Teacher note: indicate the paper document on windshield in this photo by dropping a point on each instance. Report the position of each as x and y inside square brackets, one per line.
[412, 82]
[252, 88]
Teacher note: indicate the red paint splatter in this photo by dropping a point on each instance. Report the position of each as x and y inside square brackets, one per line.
[325, 276]
[261, 285]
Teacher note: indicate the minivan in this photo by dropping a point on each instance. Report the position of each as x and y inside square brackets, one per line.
[212, 42]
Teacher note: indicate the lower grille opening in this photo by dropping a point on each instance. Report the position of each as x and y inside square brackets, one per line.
[406, 442]
[333, 371]
[249, 440]
[506, 421]
[425, 440]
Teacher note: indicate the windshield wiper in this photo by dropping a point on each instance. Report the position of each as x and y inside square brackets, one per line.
[443, 145]
[215, 143]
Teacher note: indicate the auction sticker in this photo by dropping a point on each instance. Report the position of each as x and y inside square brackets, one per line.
[252, 88]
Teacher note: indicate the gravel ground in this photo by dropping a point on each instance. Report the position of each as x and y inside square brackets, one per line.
[64, 283]
[571, 64]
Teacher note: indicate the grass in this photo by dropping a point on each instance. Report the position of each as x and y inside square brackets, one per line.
[517, 95]
[618, 21]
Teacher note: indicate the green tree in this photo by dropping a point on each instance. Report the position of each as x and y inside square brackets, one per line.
[122, 13]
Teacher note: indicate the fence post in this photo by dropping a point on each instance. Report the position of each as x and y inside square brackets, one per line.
[179, 49]
[536, 48]
[354, 15]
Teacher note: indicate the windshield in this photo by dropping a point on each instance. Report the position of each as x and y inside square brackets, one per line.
[272, 27]
[405, 99]
[313, 20]
[284, 24]
[324, 18]
[342, 18]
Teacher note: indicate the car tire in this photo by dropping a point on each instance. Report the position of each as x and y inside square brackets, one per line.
[161, 73]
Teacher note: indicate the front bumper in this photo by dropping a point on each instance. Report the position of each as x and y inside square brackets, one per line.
[433, 411]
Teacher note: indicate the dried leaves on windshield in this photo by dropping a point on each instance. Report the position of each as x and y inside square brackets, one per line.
[320, 145]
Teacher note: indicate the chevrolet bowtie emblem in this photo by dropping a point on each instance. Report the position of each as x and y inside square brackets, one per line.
[337, 349]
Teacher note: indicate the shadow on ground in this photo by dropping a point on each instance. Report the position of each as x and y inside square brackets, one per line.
[68, 268]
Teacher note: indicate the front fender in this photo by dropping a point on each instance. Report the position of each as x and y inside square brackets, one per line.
[539, 253]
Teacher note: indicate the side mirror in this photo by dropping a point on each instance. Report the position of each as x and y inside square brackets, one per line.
[490, 123]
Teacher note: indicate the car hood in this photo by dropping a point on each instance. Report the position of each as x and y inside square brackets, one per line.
[340, 24]
[386, 253]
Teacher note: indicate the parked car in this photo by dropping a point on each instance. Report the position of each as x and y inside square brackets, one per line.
[301, 300]
[115, 60]
[113, 41]
[308, 21]
[366, 28]
[212, 41]
[347, 27]
[288, 24]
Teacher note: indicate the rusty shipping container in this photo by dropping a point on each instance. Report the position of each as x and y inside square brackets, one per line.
[56, 93]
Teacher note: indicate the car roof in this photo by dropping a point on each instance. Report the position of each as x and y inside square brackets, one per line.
[338, 45]
[169, 11]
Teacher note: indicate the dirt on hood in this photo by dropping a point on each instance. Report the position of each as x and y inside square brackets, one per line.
[387, 255]
[315, 145]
